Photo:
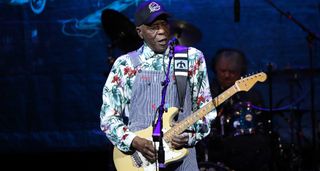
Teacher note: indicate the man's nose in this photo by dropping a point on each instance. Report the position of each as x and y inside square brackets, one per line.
[227, 74]
[162, 28]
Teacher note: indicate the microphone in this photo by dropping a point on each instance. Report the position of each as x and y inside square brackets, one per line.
[173, 41]
[236, 9]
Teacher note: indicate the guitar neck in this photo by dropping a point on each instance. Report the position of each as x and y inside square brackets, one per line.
[199, 114]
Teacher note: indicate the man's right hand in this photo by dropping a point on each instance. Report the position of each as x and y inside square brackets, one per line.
[145, 147]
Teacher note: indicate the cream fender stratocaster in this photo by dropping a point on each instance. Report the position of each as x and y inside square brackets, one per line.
[136, 162]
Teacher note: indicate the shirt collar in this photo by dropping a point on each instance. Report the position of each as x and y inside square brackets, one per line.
[146, 52]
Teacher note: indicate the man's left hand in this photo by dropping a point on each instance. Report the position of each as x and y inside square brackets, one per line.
[179, 141]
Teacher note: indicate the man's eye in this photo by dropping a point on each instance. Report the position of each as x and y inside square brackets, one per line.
[154, 27]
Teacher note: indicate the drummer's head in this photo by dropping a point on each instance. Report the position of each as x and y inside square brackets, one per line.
[152, 25]
[229, 65]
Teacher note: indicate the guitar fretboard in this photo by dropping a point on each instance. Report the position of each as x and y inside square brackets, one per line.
[199, 114]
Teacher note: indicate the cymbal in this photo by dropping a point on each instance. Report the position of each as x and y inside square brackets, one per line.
[186, 33]
[121, 30]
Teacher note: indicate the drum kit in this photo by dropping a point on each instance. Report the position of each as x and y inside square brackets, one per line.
[237, 140]
[242, 135]
[241, 131]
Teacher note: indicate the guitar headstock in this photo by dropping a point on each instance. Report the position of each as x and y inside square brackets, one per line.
[245, 84]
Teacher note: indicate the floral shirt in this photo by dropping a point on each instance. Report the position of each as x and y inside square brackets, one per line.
[118, 88]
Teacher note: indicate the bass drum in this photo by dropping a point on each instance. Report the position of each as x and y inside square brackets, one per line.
[247, 152]
[238, 140]
[242, 153]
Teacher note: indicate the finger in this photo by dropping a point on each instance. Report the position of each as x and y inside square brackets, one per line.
[179, 140]
[175, 144]
[172, 124]
[147, 154]
[182, 138]
[185, 137]
[149, 146]
[149, 151]
[150, 156]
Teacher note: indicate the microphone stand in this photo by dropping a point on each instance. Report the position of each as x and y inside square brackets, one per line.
[310, 39]
[157, 134]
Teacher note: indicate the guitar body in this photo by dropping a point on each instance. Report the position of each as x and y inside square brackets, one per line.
[136, 162]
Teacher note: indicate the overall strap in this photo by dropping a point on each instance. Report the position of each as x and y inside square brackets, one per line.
[134, 58]
[181, 67]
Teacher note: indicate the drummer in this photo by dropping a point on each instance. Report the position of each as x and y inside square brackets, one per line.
[229, 65]
[227, 135]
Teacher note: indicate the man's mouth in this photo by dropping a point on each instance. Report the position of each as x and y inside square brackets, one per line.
[163, 42]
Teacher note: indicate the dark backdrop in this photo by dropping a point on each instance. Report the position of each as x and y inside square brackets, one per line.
[53, 65]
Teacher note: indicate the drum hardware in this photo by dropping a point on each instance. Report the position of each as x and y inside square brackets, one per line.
[222, 120]
[295, 97]
[186, 33]
[310, 38]
[291, 154]
[121, 31]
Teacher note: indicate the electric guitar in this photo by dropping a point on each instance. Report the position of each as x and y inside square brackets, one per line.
[137, 162]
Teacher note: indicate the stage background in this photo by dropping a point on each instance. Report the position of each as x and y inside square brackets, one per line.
[54, 62]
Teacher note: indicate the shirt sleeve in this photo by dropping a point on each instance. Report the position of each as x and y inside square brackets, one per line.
[115, 97]
[201, 95]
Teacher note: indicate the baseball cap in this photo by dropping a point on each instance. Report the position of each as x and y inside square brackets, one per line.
[148, 11]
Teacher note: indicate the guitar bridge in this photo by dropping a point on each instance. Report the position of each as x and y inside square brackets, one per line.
[136, 159]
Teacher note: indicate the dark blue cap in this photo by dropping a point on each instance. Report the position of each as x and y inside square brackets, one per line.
[148, 11]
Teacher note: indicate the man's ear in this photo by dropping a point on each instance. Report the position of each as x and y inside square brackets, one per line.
[139, 31]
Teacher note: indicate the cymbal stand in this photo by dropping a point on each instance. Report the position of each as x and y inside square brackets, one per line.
[270, 84]
[111, 58]
[296, 113]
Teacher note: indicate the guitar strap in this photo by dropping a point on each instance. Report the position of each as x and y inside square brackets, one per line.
[134, 58]
[181, 67]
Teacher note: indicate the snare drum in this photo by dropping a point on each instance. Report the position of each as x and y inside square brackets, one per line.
[238, 119]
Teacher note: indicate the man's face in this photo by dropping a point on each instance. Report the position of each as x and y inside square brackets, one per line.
[228, 72]
[155, 35]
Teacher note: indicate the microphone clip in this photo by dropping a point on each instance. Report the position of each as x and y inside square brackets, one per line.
[173, 41]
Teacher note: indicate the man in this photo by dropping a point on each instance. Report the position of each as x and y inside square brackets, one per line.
[133, 91]
[229, 66]
[237, 136]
